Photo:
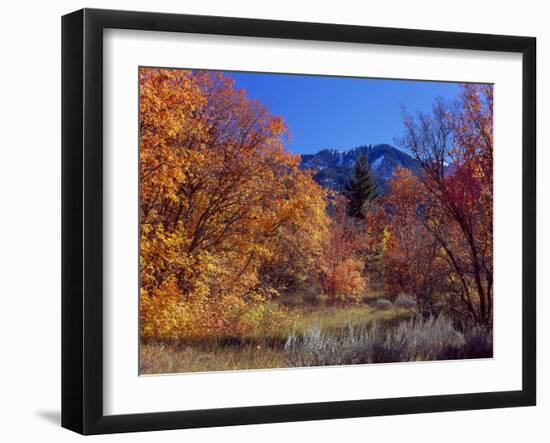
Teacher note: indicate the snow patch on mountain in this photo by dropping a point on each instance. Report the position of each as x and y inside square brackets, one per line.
[378, 162]
[334, 167]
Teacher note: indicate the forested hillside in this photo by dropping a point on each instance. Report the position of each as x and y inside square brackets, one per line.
[333, 168]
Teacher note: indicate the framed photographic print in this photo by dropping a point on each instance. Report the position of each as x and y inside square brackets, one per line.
[270, 221]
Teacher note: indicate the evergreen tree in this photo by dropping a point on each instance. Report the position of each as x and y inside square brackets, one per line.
[360, 187]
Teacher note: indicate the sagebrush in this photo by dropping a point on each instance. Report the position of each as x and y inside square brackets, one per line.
[418, 339]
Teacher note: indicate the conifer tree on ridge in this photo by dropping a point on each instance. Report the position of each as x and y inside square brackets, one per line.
[360, 188]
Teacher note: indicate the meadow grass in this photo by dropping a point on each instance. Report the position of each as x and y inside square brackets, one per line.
[260, 349]
[158, 358]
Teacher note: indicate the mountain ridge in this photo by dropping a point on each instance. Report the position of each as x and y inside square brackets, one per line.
[335, 167]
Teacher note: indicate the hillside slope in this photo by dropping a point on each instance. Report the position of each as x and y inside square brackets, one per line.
[334, 167]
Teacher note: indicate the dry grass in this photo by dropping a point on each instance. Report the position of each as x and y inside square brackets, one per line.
[165, 359]
[261, 349]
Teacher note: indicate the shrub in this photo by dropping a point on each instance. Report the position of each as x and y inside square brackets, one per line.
[317, 349]
[382, 303]
[368, 299]
[291, 301]
[312, 296]
[428, 339]
[309, 297]
[405, 301]
[413, 340]
[440, 308]
[479, 343]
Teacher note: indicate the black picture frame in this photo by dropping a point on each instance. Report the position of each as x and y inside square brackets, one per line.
[82, 219]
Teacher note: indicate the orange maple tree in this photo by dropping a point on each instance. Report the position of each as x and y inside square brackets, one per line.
[220, 201]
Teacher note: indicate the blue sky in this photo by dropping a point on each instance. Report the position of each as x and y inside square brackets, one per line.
[341, 112]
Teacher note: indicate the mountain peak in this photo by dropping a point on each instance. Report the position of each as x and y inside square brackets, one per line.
[334, 167]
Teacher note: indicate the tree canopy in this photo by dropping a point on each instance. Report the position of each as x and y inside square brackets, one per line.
[221, 201]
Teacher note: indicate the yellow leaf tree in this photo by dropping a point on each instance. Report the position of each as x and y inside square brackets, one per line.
[220, 201]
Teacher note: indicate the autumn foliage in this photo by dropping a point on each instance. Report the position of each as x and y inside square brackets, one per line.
[412, 261]
[231, 226]
[442, 219]
[344, 280]
[221, 204]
